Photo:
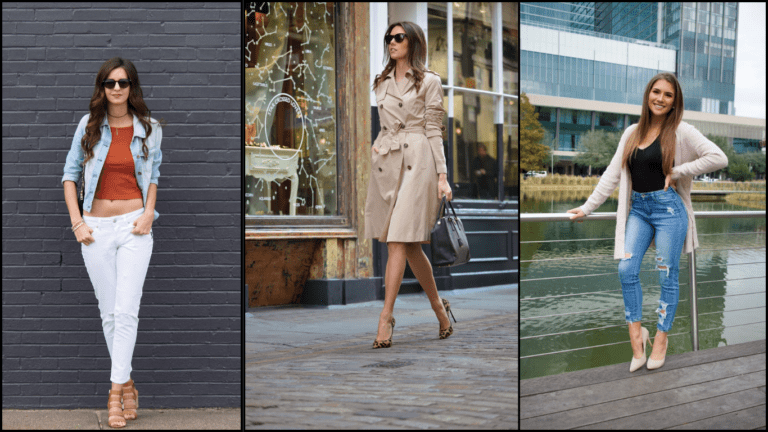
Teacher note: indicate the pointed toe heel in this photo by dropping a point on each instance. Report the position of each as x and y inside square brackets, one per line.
[638, 363]
[385, 343]
[444, 333]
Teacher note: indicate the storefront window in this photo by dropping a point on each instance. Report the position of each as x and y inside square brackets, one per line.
[475, 157]
[290, 109]
[510, 50]
[511, 150]
[437, 40]
[472, 45]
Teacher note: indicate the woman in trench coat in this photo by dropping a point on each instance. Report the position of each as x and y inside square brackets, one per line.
[408, 171]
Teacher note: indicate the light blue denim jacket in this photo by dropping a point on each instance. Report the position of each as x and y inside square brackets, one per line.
[147, 170]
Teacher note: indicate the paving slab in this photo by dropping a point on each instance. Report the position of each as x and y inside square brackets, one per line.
[149, 419]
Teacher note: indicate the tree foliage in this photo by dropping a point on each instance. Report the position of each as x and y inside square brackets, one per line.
[533, 154]
[599, 147]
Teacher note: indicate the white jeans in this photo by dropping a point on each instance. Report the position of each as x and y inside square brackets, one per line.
[117, 264]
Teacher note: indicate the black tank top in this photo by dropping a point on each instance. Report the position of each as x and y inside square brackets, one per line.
[646, 170]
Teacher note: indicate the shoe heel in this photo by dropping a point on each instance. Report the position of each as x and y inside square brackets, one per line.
[447, 306]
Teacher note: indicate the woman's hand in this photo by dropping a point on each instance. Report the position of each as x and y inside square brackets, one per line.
[83, 234]
[577, 214]
[443, 188]
[669, 182]
[143, 224]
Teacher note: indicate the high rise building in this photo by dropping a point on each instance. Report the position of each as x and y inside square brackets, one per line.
[585, 65]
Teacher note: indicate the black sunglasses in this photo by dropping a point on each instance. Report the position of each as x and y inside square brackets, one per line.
[110, 83]
[399, 38]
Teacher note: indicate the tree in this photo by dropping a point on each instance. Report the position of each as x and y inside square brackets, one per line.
[730, 153]
[599, 147]
[533, 154]
[739, 171]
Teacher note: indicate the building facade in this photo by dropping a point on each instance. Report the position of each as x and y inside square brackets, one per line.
[309, 70]
[582, 79]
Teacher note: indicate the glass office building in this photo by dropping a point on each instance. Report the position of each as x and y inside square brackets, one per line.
[585, 65]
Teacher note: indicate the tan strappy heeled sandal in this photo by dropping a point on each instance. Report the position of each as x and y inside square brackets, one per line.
[130, 400]
[115, 410]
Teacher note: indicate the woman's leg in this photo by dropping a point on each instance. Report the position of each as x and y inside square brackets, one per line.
[422, 269]
[671, 224]
[392, 280]
[133, 257]
[637, 238]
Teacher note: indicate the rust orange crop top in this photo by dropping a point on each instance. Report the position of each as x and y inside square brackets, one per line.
[117, 180]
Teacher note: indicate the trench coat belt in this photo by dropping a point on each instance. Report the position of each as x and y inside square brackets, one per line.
[391, 139]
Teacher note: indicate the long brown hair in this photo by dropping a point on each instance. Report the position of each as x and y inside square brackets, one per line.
[98, 105]
[417, 54]
[668, 128]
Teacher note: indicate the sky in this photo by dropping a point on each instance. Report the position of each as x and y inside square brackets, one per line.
[750, 61]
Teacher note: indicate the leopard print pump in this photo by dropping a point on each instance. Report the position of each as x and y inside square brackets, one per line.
[449, 331]
[385, 343]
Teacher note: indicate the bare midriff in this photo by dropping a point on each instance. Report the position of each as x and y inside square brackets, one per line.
[107, 208]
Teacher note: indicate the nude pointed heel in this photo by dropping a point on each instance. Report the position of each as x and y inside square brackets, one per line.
[638, 363]
[655, 364]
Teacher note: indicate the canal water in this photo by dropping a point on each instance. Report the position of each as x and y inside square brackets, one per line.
[571, 306]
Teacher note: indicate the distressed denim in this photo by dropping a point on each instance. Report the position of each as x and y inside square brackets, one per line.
[660, 216]
[117, 264]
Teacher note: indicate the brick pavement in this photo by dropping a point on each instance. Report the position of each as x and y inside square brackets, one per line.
[313, 367]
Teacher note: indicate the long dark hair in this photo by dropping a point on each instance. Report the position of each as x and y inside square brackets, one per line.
[668, 128]
[98, 105]
[417, 54]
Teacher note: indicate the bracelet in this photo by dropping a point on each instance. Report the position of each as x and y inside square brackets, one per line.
[74, 228]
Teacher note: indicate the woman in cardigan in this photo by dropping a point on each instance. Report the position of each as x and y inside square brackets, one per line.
[653, 167]
[118, 146]
[408, 171]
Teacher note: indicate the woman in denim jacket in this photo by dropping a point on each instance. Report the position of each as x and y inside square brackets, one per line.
[118, 146]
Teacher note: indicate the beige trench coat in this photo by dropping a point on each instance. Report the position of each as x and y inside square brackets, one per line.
[402, 201]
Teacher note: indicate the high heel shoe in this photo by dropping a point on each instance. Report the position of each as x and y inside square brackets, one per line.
[637, 363]
[386, 343]
[130, 400]
[655, 364]
[449, 331]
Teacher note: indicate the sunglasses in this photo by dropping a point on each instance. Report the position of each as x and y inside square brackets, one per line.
[110, 83]
[399, 38]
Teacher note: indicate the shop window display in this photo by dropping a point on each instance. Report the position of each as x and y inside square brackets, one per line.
[290, 109]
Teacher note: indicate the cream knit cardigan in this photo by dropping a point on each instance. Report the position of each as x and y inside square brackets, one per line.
[694, 155]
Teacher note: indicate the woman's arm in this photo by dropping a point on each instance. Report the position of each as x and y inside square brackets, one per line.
[710, 157]
[70, 197]
[610, 178]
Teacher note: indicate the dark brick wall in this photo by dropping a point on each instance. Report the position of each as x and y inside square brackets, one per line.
[188, 56]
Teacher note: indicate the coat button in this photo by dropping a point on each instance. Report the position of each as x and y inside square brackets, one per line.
[385, 128]
[402, 126]
[405, 145]
[409, 167]
[400, 104]
[379, 168]
[381, 106]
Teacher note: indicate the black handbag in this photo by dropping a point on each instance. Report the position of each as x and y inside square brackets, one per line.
[448, 240]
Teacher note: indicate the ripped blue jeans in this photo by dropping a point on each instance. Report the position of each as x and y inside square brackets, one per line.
[661, 216]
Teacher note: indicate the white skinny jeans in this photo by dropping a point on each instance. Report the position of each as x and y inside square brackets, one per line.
[117, 264]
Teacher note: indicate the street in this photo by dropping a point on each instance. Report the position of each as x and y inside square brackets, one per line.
[313, 366]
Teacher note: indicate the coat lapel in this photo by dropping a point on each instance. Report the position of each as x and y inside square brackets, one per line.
[409, 84]
[393, 89]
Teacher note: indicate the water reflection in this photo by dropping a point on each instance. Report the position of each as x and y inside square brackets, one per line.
[590, 292]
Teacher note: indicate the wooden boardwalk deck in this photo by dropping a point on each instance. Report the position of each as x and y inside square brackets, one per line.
[719, 388]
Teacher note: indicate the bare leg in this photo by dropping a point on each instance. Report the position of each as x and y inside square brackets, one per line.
[636, 339]
[392, 280]
[659, 346]
[422, 269]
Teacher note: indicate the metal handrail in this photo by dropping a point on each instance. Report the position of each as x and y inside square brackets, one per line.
[564, 217]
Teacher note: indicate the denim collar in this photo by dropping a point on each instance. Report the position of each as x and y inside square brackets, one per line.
[138, 129]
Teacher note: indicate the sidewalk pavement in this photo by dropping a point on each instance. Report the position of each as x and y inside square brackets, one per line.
[312, 367]
[149, 419]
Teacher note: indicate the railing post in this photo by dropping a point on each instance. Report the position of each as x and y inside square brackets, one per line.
[694, 307]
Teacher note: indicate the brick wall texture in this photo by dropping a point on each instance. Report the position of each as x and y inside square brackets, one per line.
[188, 56]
